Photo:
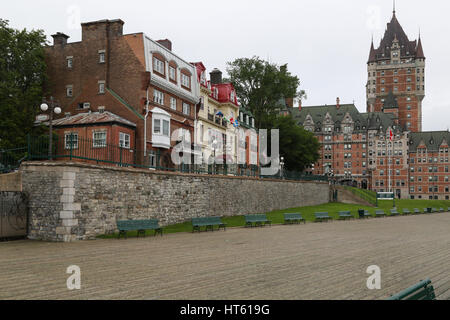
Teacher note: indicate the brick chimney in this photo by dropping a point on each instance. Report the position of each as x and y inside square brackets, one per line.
[300, 105]
[338, 103]
[96, 30]
[216, 76]
[166, 43]
[60, 39]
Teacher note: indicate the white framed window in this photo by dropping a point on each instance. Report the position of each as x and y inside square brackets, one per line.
[232, 96]
[101, 87]
[124, 140]
[158, 97]
[69, 62]
[186, 108]
[158, 65]
[185, 80]
[173, 103]
[166, 128]
[172, 73]
[69, 90]
[71, 140]
[157, 126]
[101, 56]
[99, 139]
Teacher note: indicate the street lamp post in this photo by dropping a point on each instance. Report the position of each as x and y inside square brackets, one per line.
[52, 108]
[282, 165]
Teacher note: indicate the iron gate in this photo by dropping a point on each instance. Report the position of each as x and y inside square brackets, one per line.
[13, 215]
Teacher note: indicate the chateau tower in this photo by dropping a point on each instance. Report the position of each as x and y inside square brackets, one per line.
[396, 77]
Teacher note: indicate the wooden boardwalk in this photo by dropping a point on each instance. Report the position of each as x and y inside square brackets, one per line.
[312, 261]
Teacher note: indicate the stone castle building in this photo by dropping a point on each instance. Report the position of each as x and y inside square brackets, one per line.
[384, 149]
[396, 77]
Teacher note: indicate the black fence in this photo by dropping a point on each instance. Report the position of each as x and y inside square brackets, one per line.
[73, 147]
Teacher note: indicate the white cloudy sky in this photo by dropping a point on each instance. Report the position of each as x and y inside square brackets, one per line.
[325, 42]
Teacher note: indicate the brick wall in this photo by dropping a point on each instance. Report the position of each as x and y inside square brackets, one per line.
[70, 202]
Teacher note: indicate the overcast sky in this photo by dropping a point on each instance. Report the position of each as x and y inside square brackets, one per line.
[325, 42]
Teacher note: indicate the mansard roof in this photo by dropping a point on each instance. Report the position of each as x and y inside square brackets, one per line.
[432, 140]
[338, 115]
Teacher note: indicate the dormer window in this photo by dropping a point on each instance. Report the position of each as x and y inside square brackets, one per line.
[158, 66]
[232, 96]
[185, 81]
[172, 73]
[203, 78]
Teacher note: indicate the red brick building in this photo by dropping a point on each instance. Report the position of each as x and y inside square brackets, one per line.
[396, 77]
[131, 76]
[96, 135]
[429, 165]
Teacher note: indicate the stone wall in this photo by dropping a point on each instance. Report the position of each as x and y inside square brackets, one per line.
[11, 181]
[74, 201]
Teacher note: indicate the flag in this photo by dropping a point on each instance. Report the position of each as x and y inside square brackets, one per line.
[391, 135]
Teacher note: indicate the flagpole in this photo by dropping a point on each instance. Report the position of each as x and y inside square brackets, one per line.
[389, 160]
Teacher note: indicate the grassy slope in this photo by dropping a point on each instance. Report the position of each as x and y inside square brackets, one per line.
[308, 213]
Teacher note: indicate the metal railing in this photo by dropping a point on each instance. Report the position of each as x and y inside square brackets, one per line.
[11, 159]
[90, 151]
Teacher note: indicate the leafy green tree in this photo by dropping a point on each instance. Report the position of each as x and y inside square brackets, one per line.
[260, 86]
[299, 147]
[22, 75]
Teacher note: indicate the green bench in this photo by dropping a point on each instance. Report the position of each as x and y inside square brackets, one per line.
[416, 211]
[394, 212]
[380, 213]
[256, 220]
[141, 226]
[321, 216]
[420, 291]
[291, 218]
[343, 215]
[406, 211]
[208, 223]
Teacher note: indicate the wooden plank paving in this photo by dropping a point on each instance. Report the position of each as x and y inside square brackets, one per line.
[312, 261]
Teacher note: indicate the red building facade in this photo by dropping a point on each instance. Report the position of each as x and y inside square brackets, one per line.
[131, 76]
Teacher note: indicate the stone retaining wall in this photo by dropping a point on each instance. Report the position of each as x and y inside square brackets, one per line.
[73, 201]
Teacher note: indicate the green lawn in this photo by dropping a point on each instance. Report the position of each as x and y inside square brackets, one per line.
[308, 213]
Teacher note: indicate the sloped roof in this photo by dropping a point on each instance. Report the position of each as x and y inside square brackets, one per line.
[390, 102]
[395, 31]
[375, 120]
[318, 113]
[432, 139]
[87, 118]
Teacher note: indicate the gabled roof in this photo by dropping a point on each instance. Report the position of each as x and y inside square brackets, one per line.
[432, 139]
[90, 118]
